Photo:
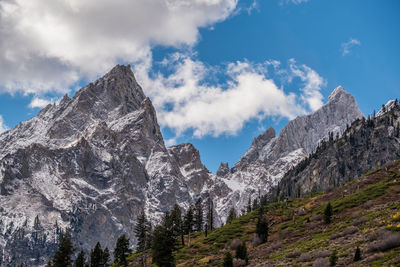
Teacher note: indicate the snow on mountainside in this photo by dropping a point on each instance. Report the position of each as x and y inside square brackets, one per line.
[90, 164]
[270, 156]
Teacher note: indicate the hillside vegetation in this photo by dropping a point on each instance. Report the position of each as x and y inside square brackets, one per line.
[366, 214]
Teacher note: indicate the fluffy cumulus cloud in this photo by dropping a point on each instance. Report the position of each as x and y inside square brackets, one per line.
[3, 127]
[186, 101]
[47, 45]
[38, 102]
[347, 46]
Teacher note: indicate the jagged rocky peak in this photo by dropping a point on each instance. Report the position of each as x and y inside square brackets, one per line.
[264, 138]
[187, 156]
[386, 108]
[117, 88]
[223, 169]
[337, 93]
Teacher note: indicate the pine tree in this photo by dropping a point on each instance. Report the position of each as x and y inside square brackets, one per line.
[162, 246]
[96, 256]
[106, 257]
[188, 220]
[121, 250]
[176, 219]
[357, 254]
[249, 205]
[228, 260]
[241, 252]
[62, 257]
[262, 227]
[333, 258]
[198, 215]
[80, 259]
[255, 204]
[328, 213]
[231, 216]
[210, 214]
[142, 229]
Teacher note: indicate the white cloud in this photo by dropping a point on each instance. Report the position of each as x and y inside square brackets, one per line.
[3, 126]
[296, 2]
[38, 102]
[313, 83]
[184, 100]
[47, 45]
[347, 46]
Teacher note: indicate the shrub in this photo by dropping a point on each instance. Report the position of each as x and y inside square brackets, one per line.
[388, 241]
[322, 254]
[293, 255]
[235, 243]
[305, 257]
[239, 263]
[228, 260]
[333, 258]
[256, 241]
[321, 262]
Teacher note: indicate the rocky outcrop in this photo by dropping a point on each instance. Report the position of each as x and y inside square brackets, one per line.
[270, 157]
[367, 144]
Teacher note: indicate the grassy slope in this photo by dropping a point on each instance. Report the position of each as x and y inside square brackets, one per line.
[363, 213]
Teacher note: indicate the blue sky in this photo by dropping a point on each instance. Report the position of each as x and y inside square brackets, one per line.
[210, 59]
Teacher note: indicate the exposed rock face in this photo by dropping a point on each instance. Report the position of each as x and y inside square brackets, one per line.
[270, 157]
[367, 144]
[88, 164]
[223, 169]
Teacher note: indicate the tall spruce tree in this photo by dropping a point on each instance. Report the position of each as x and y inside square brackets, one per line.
[198, 215]
[142, 230]
[231, 215]
[106, 257]
[96, 256]
[328, 212]
[188, 220]
[228, 260]
[249, 205]
[80, 259]
[176, 220]
[262, 226]
[163, 243]
[210, 214]
[122, 250]
[241, 252]
[63, 256]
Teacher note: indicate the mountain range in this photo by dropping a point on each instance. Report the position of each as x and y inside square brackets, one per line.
[90, 164]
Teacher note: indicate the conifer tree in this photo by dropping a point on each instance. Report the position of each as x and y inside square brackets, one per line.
[231, 216]
[357, 254]
[176, 219]
[96, 256]
[333, 258]
[142, 230]
[106, 257]
[255, 204]
[80, 259]
[249, 205]
[210, 214]
[328, 213]
[163, 244]
[228, 260]
[188, 220]
[241, 252]
[121, 250]
[62, 257]
[262, 226]
[198, 215]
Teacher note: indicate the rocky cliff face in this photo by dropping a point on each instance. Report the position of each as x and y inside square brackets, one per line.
[270, 156]
[367, 144]
[90, 164]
